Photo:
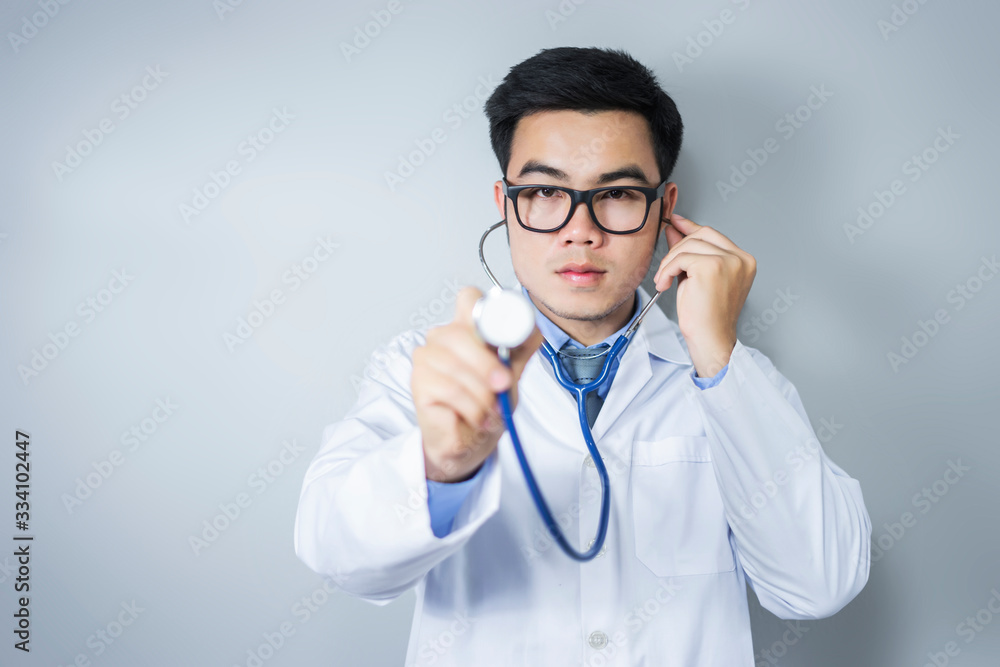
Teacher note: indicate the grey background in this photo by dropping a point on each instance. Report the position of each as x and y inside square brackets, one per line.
[402, 251]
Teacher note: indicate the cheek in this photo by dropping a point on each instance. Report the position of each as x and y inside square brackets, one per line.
[526, 255]
[638, 260]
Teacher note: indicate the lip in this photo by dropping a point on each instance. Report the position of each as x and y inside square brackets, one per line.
[584, 275]
[573, 267]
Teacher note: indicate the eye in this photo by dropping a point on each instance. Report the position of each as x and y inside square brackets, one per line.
[618, 195]
[544, 193]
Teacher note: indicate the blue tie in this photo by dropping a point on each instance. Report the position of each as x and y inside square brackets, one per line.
[582, 370]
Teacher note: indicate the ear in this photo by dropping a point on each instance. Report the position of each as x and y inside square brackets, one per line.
[667, 207]
[499, 198]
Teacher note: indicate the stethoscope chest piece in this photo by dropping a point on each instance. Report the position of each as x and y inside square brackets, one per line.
[504, 318]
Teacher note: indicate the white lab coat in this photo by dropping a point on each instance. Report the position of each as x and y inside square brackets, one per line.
[710, 488]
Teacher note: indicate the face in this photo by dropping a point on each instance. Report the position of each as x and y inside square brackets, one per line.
[583, 151]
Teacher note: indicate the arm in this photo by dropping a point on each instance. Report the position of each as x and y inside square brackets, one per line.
[363, 516]
[804, 544]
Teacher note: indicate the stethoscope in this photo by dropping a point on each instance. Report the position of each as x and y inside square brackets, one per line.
[505, 318]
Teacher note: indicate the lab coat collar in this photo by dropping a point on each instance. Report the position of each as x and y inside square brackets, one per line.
[657, 336]
[662, 336]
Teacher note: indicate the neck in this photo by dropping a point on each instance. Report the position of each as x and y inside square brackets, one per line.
[591, 332]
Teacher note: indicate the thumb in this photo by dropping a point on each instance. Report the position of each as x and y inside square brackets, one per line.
[464, 303]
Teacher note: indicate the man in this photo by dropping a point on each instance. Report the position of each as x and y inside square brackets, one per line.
[717, 478]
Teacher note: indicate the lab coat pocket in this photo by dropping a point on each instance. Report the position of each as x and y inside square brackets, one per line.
[678, 519]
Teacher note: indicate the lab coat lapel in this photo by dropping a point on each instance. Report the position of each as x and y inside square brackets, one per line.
[556, 405]
[633, 373]
[657, 336]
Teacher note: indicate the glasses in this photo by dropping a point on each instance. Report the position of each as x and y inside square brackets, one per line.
[618, 209]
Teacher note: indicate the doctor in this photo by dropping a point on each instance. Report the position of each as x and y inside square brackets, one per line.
[717, 477]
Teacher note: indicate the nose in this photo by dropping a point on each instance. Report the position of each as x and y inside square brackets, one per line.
[581, 228]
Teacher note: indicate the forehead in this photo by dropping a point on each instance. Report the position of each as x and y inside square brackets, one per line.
[583, 144]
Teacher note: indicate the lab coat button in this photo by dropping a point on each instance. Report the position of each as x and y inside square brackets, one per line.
[597, 640]
[589, 461]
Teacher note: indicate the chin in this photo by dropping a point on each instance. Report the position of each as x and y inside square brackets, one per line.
[577, 303]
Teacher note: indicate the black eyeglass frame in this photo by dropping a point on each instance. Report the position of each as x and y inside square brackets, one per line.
[584, 196]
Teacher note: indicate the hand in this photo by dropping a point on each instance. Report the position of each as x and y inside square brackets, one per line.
[713, 280]
[456, 377]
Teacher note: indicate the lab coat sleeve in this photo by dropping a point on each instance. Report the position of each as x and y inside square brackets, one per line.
[363, 517]
[801, 530]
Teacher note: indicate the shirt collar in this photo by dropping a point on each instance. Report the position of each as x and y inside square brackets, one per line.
[662, 335]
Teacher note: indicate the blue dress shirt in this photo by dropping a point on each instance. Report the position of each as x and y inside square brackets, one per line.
[445, 498]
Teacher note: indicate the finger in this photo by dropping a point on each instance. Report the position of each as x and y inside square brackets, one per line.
[673, 236]
[692, 245]
[443, 388]
[685, 224]
[684, 262]
[453, 383]
[464, 302]
[463, 342]
[690, 228]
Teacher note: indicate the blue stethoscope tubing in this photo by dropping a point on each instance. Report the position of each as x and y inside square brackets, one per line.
[581, 391]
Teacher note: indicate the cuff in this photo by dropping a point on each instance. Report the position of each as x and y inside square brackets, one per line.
[706, 383]
[724, 394]
[445, 498]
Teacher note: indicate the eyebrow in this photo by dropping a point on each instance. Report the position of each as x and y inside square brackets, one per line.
[631, 171]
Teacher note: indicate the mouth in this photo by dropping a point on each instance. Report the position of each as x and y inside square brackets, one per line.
[581, 274]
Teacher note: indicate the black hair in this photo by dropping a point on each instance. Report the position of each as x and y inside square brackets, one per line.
[587, 80]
